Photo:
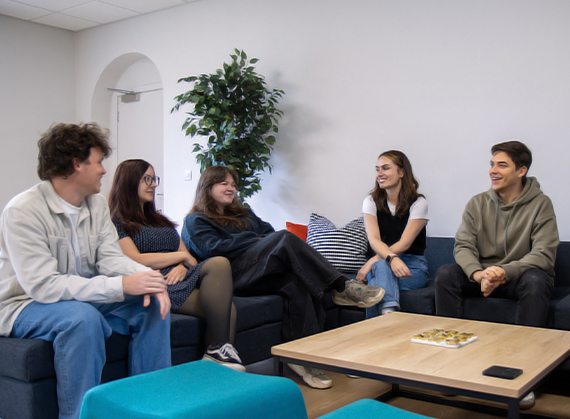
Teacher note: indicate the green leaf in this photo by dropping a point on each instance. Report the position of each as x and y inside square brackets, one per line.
[235, 111]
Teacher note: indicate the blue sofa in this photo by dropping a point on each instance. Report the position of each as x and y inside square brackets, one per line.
[27, 376]
[499, 310]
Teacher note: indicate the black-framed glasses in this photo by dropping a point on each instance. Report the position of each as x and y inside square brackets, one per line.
[149, 179]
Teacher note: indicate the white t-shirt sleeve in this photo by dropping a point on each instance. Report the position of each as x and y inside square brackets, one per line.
[369, 207]
[419, 209]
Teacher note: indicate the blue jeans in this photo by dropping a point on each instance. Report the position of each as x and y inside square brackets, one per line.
[381, 275]
[78, 331]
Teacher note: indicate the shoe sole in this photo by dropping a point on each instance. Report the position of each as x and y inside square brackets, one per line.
[526, 406]
[307, 378]
[232, 365]
[372, 302]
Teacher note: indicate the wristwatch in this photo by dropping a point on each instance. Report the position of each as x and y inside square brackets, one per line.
[187, 265]
[389, 258]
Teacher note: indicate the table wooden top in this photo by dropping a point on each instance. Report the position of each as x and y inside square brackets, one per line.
[382, 346]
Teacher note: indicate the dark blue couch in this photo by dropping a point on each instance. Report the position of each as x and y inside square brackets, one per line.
[27, 377]
[440, 251]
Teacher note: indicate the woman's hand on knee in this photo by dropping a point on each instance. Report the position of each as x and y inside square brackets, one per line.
[399, 268]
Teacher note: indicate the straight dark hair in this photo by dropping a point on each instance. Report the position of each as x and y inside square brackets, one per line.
[409, 190]
[204, 204]
[124, 200]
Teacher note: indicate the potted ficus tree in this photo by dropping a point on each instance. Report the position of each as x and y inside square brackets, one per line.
[237, 114]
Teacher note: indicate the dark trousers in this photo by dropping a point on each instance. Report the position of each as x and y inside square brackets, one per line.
[531, 291]
[283, 264]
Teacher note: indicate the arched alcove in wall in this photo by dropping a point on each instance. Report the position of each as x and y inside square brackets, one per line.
[135, 121]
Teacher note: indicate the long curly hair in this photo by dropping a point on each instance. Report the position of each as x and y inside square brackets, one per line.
[124, 203]
[409, 190]
[64, 143]
[204, 204]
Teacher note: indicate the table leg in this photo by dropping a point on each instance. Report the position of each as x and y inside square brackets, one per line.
[513, 409]
[277, 366]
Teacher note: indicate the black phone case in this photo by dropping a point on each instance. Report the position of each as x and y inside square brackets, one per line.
[503, 372]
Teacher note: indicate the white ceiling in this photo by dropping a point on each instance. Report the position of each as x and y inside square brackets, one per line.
[76, 15]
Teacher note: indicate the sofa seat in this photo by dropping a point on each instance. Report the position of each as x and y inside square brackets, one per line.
[27, 375]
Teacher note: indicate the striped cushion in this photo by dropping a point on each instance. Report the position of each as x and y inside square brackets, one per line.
[345, 248]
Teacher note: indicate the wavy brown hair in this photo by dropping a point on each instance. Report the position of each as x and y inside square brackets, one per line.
[204, 204]
[409, 190]
[124, 202]
[64, 143]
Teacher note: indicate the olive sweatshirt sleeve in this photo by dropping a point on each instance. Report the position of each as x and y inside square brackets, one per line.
[466, 252]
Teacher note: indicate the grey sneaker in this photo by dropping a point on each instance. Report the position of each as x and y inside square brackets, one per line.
[226, 355]
[357, 294]
[314, 377]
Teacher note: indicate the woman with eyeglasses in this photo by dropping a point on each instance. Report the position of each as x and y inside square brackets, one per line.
[205, 289]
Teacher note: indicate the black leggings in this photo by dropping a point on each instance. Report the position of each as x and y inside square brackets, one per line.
[211, 300]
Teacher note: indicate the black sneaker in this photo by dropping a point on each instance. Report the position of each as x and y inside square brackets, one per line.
[226, 356]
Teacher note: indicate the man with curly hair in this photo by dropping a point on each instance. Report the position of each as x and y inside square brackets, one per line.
[63, 276]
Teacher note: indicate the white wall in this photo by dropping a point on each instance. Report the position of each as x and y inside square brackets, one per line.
[37, 86]
[441, 80]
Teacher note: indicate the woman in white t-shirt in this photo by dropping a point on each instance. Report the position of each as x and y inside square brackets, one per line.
[395, 217]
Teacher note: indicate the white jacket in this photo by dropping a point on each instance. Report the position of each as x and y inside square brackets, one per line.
[37, 260]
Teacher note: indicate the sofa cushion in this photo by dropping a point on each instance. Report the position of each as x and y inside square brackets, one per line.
[345, 248]
[560, 309]
[26, 359]
[562, 265]
[31, 360]
[439, 251]
[299, 230]
[257, 311]
[420, 301]
[186, 330]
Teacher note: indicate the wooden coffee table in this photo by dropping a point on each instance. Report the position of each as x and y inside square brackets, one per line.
[380, 348]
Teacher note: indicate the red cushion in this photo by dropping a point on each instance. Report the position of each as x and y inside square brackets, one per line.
[299, 230]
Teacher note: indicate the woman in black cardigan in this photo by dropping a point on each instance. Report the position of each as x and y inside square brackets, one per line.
[266, 262]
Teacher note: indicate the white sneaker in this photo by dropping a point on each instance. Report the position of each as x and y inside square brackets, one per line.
[527, 402]
[314, 377]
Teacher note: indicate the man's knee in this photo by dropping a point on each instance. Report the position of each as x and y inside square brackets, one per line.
[536, 282]
[87, 318]
[448, 274]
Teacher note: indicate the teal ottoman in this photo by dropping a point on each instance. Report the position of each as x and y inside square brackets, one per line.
[196, 390]
[367, 408]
